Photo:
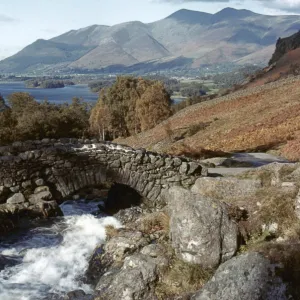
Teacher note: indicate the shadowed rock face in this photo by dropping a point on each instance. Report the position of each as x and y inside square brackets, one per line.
[285, 45]
[249, 277]
[68, 165]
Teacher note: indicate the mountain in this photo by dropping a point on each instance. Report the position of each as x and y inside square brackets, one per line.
[185, 39]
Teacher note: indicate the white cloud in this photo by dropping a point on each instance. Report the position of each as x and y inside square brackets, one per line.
[284, 5]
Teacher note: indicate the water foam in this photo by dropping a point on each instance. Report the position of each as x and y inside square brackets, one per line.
[55, 268]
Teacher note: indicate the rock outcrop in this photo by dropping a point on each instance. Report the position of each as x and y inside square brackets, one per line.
[226, 188]
[285, 45]
[201, 231]
[135, 280]
[249, 277]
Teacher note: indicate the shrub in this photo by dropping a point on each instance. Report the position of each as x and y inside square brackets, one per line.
[27, 119]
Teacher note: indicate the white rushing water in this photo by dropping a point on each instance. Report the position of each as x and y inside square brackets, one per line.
[53, 258]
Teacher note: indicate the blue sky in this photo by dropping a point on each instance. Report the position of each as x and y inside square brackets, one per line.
[24, 21]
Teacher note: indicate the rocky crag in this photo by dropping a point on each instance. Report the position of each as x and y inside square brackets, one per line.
[285, 45]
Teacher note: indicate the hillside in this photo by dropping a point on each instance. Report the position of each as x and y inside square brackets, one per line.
[186, 39]
[256, 119]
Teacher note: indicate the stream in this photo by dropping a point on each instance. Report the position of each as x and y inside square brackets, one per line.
[50, 259]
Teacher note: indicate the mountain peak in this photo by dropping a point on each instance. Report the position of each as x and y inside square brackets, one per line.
[190, 16]
[185, 39]
[230, 12]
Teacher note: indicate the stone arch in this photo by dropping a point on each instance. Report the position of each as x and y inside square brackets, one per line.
[68, 165]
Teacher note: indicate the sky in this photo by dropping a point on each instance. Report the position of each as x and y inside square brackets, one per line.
[24, 21]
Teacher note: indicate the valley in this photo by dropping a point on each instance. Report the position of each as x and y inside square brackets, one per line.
[185, 40]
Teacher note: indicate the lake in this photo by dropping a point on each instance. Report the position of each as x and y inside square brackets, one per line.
[58, 96]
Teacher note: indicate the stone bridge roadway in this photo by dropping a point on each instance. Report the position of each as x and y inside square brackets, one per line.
[68, 165]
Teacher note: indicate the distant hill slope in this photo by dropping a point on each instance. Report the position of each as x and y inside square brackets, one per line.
[198, 38]
[256, 119]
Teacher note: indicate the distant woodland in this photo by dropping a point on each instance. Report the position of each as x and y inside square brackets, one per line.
[47, 84]
[129, 106]
[171, 85]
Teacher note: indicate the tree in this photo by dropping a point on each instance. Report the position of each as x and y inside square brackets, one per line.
[124, 108]
[154, 106]
[74, 118]
[21, 101]
[100, 120]
[28, 119]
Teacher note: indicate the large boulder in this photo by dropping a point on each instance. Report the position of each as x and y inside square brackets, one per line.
[18, 215]
[129, 215]
[246, 277]
[112, 254]
[200, 229]
[134, 281]
[226, 188]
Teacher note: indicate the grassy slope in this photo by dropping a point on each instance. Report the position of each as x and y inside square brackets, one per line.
[260, 118]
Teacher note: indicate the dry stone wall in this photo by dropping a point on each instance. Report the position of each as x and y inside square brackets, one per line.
[68, 165]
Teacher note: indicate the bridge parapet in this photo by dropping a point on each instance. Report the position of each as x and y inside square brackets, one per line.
[68, 165]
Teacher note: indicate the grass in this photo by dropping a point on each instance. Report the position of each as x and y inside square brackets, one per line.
[259, 118]
[292, 150]
[180, 278]
[270, 205]
[196, 128]
[277, 207]
[157, 221]
[183, 149]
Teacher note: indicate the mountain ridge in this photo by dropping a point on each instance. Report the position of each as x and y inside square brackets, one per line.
[229, 35]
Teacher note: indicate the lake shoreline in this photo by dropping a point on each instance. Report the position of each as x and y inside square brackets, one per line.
[53, 95]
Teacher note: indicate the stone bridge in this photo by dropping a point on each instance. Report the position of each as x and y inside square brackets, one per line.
[68, 165]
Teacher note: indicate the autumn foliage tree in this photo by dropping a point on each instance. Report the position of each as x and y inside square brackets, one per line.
[100, 119]
[25, 119]
[153, 107]
[129, 106]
